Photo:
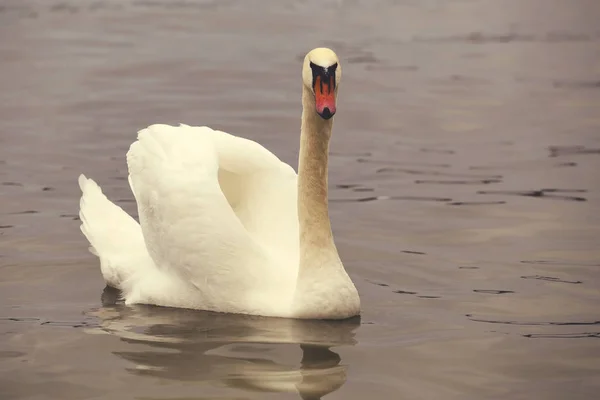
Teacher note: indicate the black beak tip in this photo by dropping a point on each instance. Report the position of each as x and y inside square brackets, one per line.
[326, 113]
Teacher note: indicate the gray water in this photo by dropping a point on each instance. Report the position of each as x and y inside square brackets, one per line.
[464, 184]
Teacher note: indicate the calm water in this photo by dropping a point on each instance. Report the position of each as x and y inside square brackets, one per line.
[464, 183]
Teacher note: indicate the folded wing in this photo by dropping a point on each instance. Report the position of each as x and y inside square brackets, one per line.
[218, 212]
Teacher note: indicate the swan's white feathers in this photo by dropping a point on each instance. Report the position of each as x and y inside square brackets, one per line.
[114, 236]
[322, 56]
[211, 205]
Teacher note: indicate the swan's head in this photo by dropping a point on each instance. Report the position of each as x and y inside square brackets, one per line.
[321, 74]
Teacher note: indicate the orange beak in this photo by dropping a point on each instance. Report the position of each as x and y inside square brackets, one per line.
[325, 96]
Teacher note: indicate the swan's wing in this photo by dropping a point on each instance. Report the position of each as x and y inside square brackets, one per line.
[262, 190]
[189, 226]
[114, 236]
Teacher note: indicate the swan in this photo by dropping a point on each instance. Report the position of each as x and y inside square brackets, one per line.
[224, 225]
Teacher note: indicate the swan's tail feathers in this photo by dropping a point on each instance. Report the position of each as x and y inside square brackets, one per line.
[114, 236]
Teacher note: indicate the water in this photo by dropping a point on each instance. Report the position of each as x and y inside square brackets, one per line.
[464, 189]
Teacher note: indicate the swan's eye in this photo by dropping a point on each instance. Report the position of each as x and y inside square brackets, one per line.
[324, 72]
[324, 89]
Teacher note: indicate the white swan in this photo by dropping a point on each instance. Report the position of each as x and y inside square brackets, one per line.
[226, 226]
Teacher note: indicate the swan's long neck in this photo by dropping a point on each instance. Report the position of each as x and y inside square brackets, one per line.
[323, 288]
[316, 238]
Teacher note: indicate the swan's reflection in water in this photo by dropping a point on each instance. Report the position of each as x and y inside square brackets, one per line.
[243, 352]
